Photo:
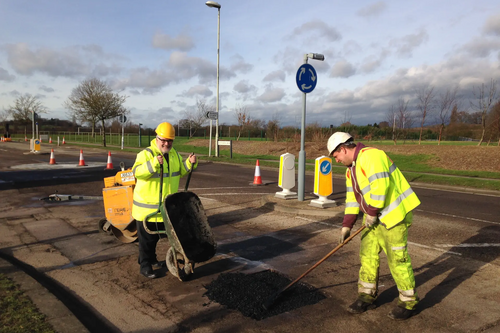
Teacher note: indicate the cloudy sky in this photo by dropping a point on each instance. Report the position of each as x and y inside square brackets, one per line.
[163, 54]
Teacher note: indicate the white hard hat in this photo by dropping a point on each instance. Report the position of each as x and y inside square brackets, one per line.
[336, 139]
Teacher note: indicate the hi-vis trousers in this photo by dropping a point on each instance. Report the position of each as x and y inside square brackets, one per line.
[394, 244]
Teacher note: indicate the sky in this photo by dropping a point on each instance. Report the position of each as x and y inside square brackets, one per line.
[163, 55]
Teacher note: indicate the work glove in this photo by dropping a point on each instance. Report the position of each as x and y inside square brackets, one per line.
[370, 220]
[344, 234]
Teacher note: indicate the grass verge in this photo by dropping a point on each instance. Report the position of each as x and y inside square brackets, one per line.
[18, 314]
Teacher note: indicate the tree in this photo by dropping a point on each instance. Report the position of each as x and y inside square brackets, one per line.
[446, 103]
[93, 101]
[24, 107]
[485, 98]
[244, 119]
[425, 104]
[197, 118]
[400, 118]
[494, 120]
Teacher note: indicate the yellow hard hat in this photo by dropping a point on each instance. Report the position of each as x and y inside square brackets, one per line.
[166, 131]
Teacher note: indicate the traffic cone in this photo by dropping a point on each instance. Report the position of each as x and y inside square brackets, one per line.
[50, 140]
[40, 139]
[64, 142]
[52, 159]
[25, 138]
[82, 162]
[109, 166]
[257, 180]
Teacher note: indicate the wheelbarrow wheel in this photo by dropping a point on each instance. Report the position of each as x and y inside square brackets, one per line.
[183, 269]
[101, 224]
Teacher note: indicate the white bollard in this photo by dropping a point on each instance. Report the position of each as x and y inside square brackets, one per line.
[323, 183]
[286, 177]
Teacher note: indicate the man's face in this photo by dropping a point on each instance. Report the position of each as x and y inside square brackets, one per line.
[164, 144]
[341, 156]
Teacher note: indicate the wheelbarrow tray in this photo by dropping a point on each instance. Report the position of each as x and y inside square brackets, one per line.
[187, 228]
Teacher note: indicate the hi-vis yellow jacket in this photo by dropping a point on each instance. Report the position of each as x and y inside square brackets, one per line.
[146, 170]
[377, 187]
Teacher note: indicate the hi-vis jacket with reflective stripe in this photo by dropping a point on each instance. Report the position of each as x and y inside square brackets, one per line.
[377, 187]
[146, 170]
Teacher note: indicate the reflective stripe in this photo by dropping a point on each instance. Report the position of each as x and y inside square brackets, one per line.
[407, 295]
[366, 189]
[352, 204]
[150, 167]
[143, 205]
[367, 288]
[133, 170]
[396, 248]
[392, 168]
[349, 189]
[378, 175]
[377, 197]
[367, 284]
[150, 151]
[393, 205]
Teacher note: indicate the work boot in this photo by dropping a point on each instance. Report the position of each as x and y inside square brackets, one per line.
[148, 272]
[359, 306]
[399, 313]
[159, 264]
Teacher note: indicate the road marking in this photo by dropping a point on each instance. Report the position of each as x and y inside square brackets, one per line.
[470, 245]
[234, 193]
[458, 216]
[217, 188]
[435, 248]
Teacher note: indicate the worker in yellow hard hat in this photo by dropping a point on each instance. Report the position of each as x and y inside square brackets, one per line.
[376, 187]
[146, 170]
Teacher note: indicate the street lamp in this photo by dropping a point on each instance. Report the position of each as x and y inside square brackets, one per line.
[302, 153]
[140, 134]
[214, 4]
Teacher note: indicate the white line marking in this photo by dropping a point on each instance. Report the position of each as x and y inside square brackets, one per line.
[234, 193]
[435, 248]
[469, 245]
[457, 216]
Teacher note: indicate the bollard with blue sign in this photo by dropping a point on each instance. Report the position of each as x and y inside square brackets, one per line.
[323, 183]
[286, 177]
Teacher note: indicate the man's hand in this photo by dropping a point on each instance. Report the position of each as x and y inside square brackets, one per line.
[370, 220]
[160, 158]
[344, 234]
[192, 158]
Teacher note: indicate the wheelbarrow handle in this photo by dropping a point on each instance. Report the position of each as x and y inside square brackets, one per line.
[189, 176]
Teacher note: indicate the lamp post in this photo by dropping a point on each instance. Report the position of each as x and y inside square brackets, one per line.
[302, 153]
[214, 4]
[140, 134]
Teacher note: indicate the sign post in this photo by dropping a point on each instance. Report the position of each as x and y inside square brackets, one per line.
[122, 120]
[306, 81]
[212, 116]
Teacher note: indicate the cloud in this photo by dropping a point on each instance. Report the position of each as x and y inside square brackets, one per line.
[72, 61]
[482, 47]
[272, 95]
[342, 69]
[182, 42]
[372, 10]
[198, 90]
[243, 87]
[5, 76]
[278, 75]
[239, 65]
[405, 45]
[318, 29]
[45, 88]
[492, 26]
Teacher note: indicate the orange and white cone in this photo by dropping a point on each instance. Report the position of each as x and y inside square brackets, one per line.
[25, 138]
[64, 142]
[50, 140]
[109, 166]
[82, 162]
[257, 180]
[52, 159]
[40, 139]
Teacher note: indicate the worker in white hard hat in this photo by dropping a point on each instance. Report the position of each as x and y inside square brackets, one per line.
[146, 199]
[377, 188]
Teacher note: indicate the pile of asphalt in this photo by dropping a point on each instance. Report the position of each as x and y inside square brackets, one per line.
[248, 293]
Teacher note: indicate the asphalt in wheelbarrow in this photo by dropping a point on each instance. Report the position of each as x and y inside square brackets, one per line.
[188, 219]
[247, 293]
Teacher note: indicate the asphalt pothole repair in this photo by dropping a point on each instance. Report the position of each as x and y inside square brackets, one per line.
[247, 293]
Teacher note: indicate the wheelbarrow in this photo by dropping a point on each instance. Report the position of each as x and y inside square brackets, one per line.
[187, 229]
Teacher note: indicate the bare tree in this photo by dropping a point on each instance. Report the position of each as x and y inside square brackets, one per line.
[401, 118]
[273, 127]
[93, 101]
[485, 98]
[196, 118]
[4, 114]
[446, 102]
[25, 107]
[425, 104]
[494, 120]
[243, 117]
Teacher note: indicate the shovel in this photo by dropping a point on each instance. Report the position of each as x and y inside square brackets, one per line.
[270, 301]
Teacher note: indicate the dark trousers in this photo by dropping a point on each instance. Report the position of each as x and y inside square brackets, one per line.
[147, 243]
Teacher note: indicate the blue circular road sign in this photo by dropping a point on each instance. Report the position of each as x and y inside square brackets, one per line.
[306, 78]
[325, 167]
